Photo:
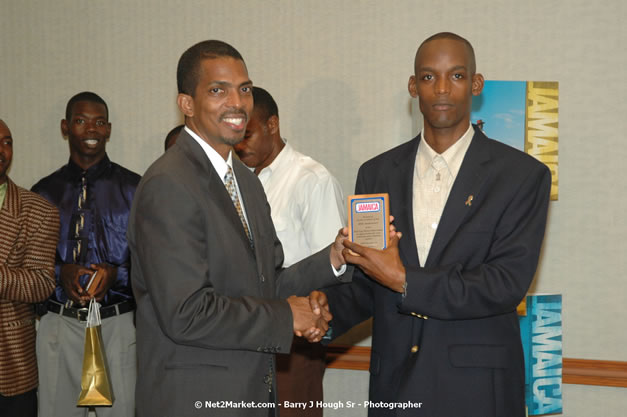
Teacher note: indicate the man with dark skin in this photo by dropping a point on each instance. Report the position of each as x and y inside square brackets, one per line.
[308, 208]
[87, 132]
[29, 228]
[214, 304]
[94, 197]
[472, 212]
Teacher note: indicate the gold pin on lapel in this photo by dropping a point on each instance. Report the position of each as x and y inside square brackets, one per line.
[469, 200]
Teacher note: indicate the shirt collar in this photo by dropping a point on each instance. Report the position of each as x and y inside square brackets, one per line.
[219, 164]
[453, 156]
[92, 172]
[282, 158]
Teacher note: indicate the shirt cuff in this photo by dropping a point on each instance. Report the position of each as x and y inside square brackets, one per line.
[339, 272]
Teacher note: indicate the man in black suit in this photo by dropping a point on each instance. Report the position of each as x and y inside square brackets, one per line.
[212, 297]
[472, 213]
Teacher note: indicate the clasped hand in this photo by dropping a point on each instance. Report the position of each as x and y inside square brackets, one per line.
[71, 273]
[311, 318]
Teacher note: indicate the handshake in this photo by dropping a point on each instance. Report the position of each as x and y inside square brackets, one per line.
[311, 315]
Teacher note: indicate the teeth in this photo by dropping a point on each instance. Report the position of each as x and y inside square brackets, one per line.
[91, 141]
[234, 120]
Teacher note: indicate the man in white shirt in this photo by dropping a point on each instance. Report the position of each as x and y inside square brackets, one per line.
[307, 210]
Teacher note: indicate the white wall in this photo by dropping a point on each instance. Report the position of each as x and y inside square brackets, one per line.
[339, 70]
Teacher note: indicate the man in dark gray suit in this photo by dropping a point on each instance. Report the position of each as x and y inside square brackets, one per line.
[212, 306]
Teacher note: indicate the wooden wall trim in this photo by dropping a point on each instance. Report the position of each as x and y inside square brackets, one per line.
[594, 372]
[574, 371]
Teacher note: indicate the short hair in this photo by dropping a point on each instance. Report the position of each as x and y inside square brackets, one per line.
[172, 134]
[264, 103]
[188, 69]
[455, 37]
[84, 96]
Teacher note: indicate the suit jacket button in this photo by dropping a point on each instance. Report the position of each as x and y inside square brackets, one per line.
[262, 278]
[414, 349]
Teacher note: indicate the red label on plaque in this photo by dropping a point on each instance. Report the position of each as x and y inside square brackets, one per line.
[366, 207]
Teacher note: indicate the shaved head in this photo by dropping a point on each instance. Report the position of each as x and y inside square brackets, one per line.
[450, 35]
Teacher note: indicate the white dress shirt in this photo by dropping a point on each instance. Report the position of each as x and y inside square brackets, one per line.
[434, 175]
[306, 201]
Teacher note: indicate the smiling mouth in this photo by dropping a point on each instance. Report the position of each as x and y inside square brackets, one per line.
[236, 122]
[91, 142]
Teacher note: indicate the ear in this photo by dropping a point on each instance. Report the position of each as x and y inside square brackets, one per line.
[477, 84]
[412, 87]
[64, 128]
[186, 104]
[273, 124]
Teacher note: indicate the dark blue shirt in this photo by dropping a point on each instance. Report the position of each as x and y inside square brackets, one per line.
[93, 230]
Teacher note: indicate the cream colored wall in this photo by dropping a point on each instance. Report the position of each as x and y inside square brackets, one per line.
[339, 70]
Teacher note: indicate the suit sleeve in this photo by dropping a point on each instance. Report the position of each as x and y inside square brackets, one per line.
[33, 280]
[170, 254]
[496, 285]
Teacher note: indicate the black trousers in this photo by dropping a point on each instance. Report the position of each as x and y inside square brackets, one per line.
[21, 405]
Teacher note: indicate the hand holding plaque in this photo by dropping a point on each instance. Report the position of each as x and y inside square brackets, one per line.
[369, 220]
[372, 243]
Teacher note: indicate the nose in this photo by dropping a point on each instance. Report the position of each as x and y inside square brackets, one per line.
[442, 86]
[234, 99]
[91, 125]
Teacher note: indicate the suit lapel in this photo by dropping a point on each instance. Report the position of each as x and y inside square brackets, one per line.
[9, 221]
[401, 204]
[211, 181]
[470, 178]
[249, 202]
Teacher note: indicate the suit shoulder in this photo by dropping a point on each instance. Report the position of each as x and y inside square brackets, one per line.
[514, 158]
[392, 155]
[34, 204]
[172, 169]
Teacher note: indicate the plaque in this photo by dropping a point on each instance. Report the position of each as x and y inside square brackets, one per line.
[369, 220]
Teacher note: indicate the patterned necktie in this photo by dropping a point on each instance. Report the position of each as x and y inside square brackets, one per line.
[80, 222]
[229, 182]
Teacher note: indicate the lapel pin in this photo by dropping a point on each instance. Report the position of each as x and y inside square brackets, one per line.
[469, 200]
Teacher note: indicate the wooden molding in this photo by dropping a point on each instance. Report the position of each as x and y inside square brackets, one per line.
[594, 372]
[574, 371]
